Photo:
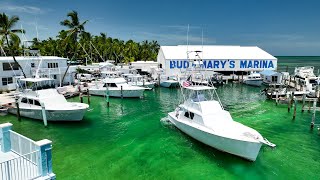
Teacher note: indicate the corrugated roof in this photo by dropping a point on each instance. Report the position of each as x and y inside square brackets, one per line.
[215, 52]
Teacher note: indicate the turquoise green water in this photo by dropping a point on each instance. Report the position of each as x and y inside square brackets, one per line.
[130, 140]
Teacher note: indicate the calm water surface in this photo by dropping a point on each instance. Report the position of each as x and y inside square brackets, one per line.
[131, 140]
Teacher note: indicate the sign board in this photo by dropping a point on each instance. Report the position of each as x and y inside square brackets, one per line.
[224, 65]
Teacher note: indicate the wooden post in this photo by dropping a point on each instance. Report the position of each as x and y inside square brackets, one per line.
[289, 102]
[18, 108]
[107, 96]
[292, 98]
[121, 90]
[142, 82]
[88, 94]
[309, 106]
[238, 79]
[295, 109]
[303, 102]
[158, 79]
[242, 77]
[81, 97]
[314, 113]
[277, 98]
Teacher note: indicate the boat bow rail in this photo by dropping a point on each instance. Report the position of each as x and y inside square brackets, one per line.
[266, 142]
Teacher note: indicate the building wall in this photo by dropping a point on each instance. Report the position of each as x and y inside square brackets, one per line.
[53, 72]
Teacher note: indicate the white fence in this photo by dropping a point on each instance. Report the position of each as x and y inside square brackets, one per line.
[20, 168]
[21, 144]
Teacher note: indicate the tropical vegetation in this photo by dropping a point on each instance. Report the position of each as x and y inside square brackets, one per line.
[10, 37]
[77, 44]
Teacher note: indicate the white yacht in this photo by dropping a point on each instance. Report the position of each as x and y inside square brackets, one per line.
[254, 79]
[138, 80]
[43, 95]
[204, 119]
[169, 81]
[115, 87]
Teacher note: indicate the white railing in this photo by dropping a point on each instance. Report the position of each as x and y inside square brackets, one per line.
[22, 167]
[21, 144]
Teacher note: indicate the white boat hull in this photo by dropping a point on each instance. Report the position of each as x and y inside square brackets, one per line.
[146, 85]
[253, 82]
[52, 115]
[245, 149]
[169, 84]
[117, 93]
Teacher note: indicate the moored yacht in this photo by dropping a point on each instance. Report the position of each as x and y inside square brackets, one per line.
[254, 79]
[115, 87]
[40, 93]
[204, 118]
[169, 81]
[138, 80]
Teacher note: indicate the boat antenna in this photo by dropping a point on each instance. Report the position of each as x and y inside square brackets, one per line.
[188, 42]
[36, 24]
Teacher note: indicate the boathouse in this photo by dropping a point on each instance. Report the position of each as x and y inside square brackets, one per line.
[224, 59]
[49, 67]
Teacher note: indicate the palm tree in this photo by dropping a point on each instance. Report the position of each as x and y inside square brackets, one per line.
[75, 28]
[6, 25]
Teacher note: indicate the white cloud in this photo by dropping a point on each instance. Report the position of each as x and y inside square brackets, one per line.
[20, 9]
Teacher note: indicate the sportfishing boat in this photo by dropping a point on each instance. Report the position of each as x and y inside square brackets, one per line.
[115, 87]
[138, 80]
[254, 79]
[40, 93]
[169, 81]
[204, 118]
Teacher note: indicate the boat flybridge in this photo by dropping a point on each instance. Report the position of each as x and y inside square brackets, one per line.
[138, 80]
[204, 118]
[39, 93]
[115, 86]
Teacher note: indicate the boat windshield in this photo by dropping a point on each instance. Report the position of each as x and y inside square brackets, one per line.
[36, 84]
[198, 96]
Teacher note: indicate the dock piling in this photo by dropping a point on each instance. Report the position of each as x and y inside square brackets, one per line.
[303, 102]
[289, 103]
[277, 98]
[295, 109]
[44, 115]
[314, 114]
[107, 96]
[18, 109]
[88, 94]
[121, 92]
[81, 97]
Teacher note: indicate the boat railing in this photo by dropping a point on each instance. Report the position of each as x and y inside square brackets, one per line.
[21, 167]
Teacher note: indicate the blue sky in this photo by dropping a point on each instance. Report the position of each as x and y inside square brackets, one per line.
[286, 27]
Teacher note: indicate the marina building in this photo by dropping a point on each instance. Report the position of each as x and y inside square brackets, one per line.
[224, 59]
[49, 66]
